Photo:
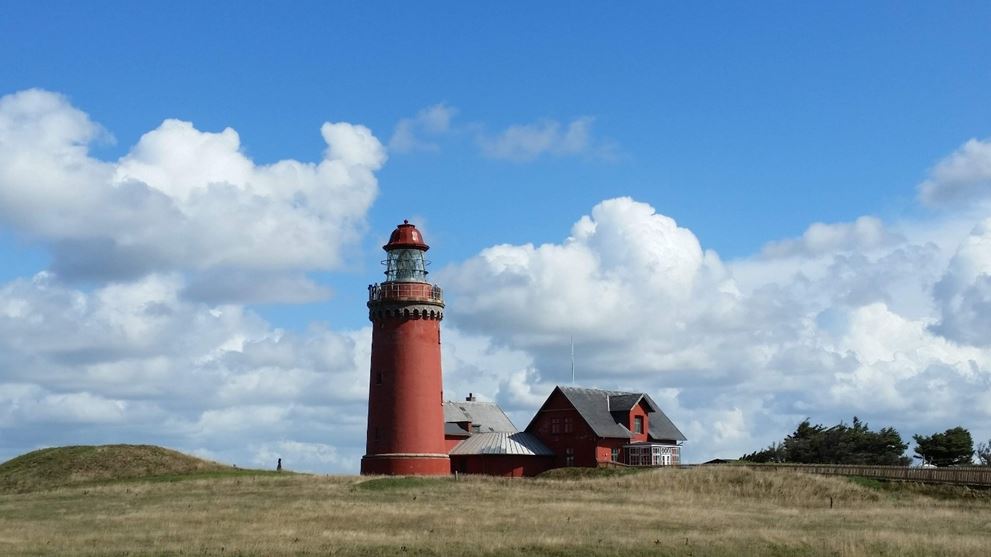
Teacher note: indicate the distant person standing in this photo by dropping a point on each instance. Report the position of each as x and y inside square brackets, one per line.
[278, 467]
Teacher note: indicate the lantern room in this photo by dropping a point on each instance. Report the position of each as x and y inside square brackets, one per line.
[404, 260]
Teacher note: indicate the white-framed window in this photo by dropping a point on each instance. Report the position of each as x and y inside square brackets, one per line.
[637, 424]
[651, 454]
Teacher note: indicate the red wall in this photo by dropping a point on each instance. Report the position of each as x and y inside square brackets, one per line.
[451, 441]
[405, 412]
[581, 440]
[638, 410]
[604, 451]
[501, 465]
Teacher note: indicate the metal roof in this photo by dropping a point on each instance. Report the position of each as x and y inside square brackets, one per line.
[626, 402]
[406, 236]
[486, 415]
[455, 430]
[594, 407]
[661, 428]
[502, 443]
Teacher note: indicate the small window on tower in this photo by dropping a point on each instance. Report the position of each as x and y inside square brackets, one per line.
[378, 378]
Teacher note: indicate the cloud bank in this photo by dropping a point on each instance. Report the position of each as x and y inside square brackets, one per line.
[850, 319]
[138, 331]
[181, 200]
[141, 329]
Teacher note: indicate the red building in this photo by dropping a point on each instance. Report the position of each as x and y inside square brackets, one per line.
[405, 417]
[591, 427]
[483, 440]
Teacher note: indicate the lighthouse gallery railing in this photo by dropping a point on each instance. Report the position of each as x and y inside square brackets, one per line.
[405, 291]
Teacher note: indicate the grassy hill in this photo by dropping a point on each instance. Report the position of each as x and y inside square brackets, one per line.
[84, 465]
[697, 512]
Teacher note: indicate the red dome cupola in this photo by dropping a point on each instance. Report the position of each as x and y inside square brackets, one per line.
[406, 236]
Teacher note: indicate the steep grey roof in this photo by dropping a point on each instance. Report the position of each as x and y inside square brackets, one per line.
[454, 414]
[594, 407]
[625, 402]
[502, 443]
[487, 415]
[661, 428]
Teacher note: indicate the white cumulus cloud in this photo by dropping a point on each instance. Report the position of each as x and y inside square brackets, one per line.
[136, 362]
[181, 199]
[960, 178]
[964, 292]
[863, 234]
[851, 319]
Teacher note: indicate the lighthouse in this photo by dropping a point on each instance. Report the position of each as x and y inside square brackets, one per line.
[405, 393]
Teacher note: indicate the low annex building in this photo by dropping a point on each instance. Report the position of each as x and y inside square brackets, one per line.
[481, 439]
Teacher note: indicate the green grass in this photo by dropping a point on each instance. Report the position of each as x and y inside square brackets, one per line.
[93, 465]
[589, 473]
[870, 483]
[402, 483]
[902, 489]
[708, 511]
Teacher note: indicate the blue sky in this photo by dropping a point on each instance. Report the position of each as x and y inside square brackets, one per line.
[746, 124]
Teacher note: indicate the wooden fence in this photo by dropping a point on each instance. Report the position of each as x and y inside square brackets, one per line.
[970, 475]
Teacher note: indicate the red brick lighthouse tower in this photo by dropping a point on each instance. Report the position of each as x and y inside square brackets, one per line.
[405, 395]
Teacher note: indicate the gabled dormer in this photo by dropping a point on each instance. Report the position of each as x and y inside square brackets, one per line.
[633, 410]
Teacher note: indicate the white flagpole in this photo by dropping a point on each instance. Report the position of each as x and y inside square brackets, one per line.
[572, 361]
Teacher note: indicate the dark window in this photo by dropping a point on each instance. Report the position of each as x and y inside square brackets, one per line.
[638, 424]
[555, 425]
[568, 428]
[378, 378]
[569, 457]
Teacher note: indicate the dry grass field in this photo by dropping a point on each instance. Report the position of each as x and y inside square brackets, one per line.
[697, 512]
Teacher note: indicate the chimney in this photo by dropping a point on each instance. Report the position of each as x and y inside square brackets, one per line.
[470, 397]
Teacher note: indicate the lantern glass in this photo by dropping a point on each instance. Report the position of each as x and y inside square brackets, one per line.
[406, 265]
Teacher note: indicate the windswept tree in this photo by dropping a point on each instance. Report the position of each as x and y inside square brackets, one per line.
[774, 453]
[839, 444]
[953, 447]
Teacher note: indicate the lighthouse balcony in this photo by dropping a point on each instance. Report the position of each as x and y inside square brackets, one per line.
[405, 292]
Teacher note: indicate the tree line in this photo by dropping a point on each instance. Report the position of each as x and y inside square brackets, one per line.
[858, 444]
